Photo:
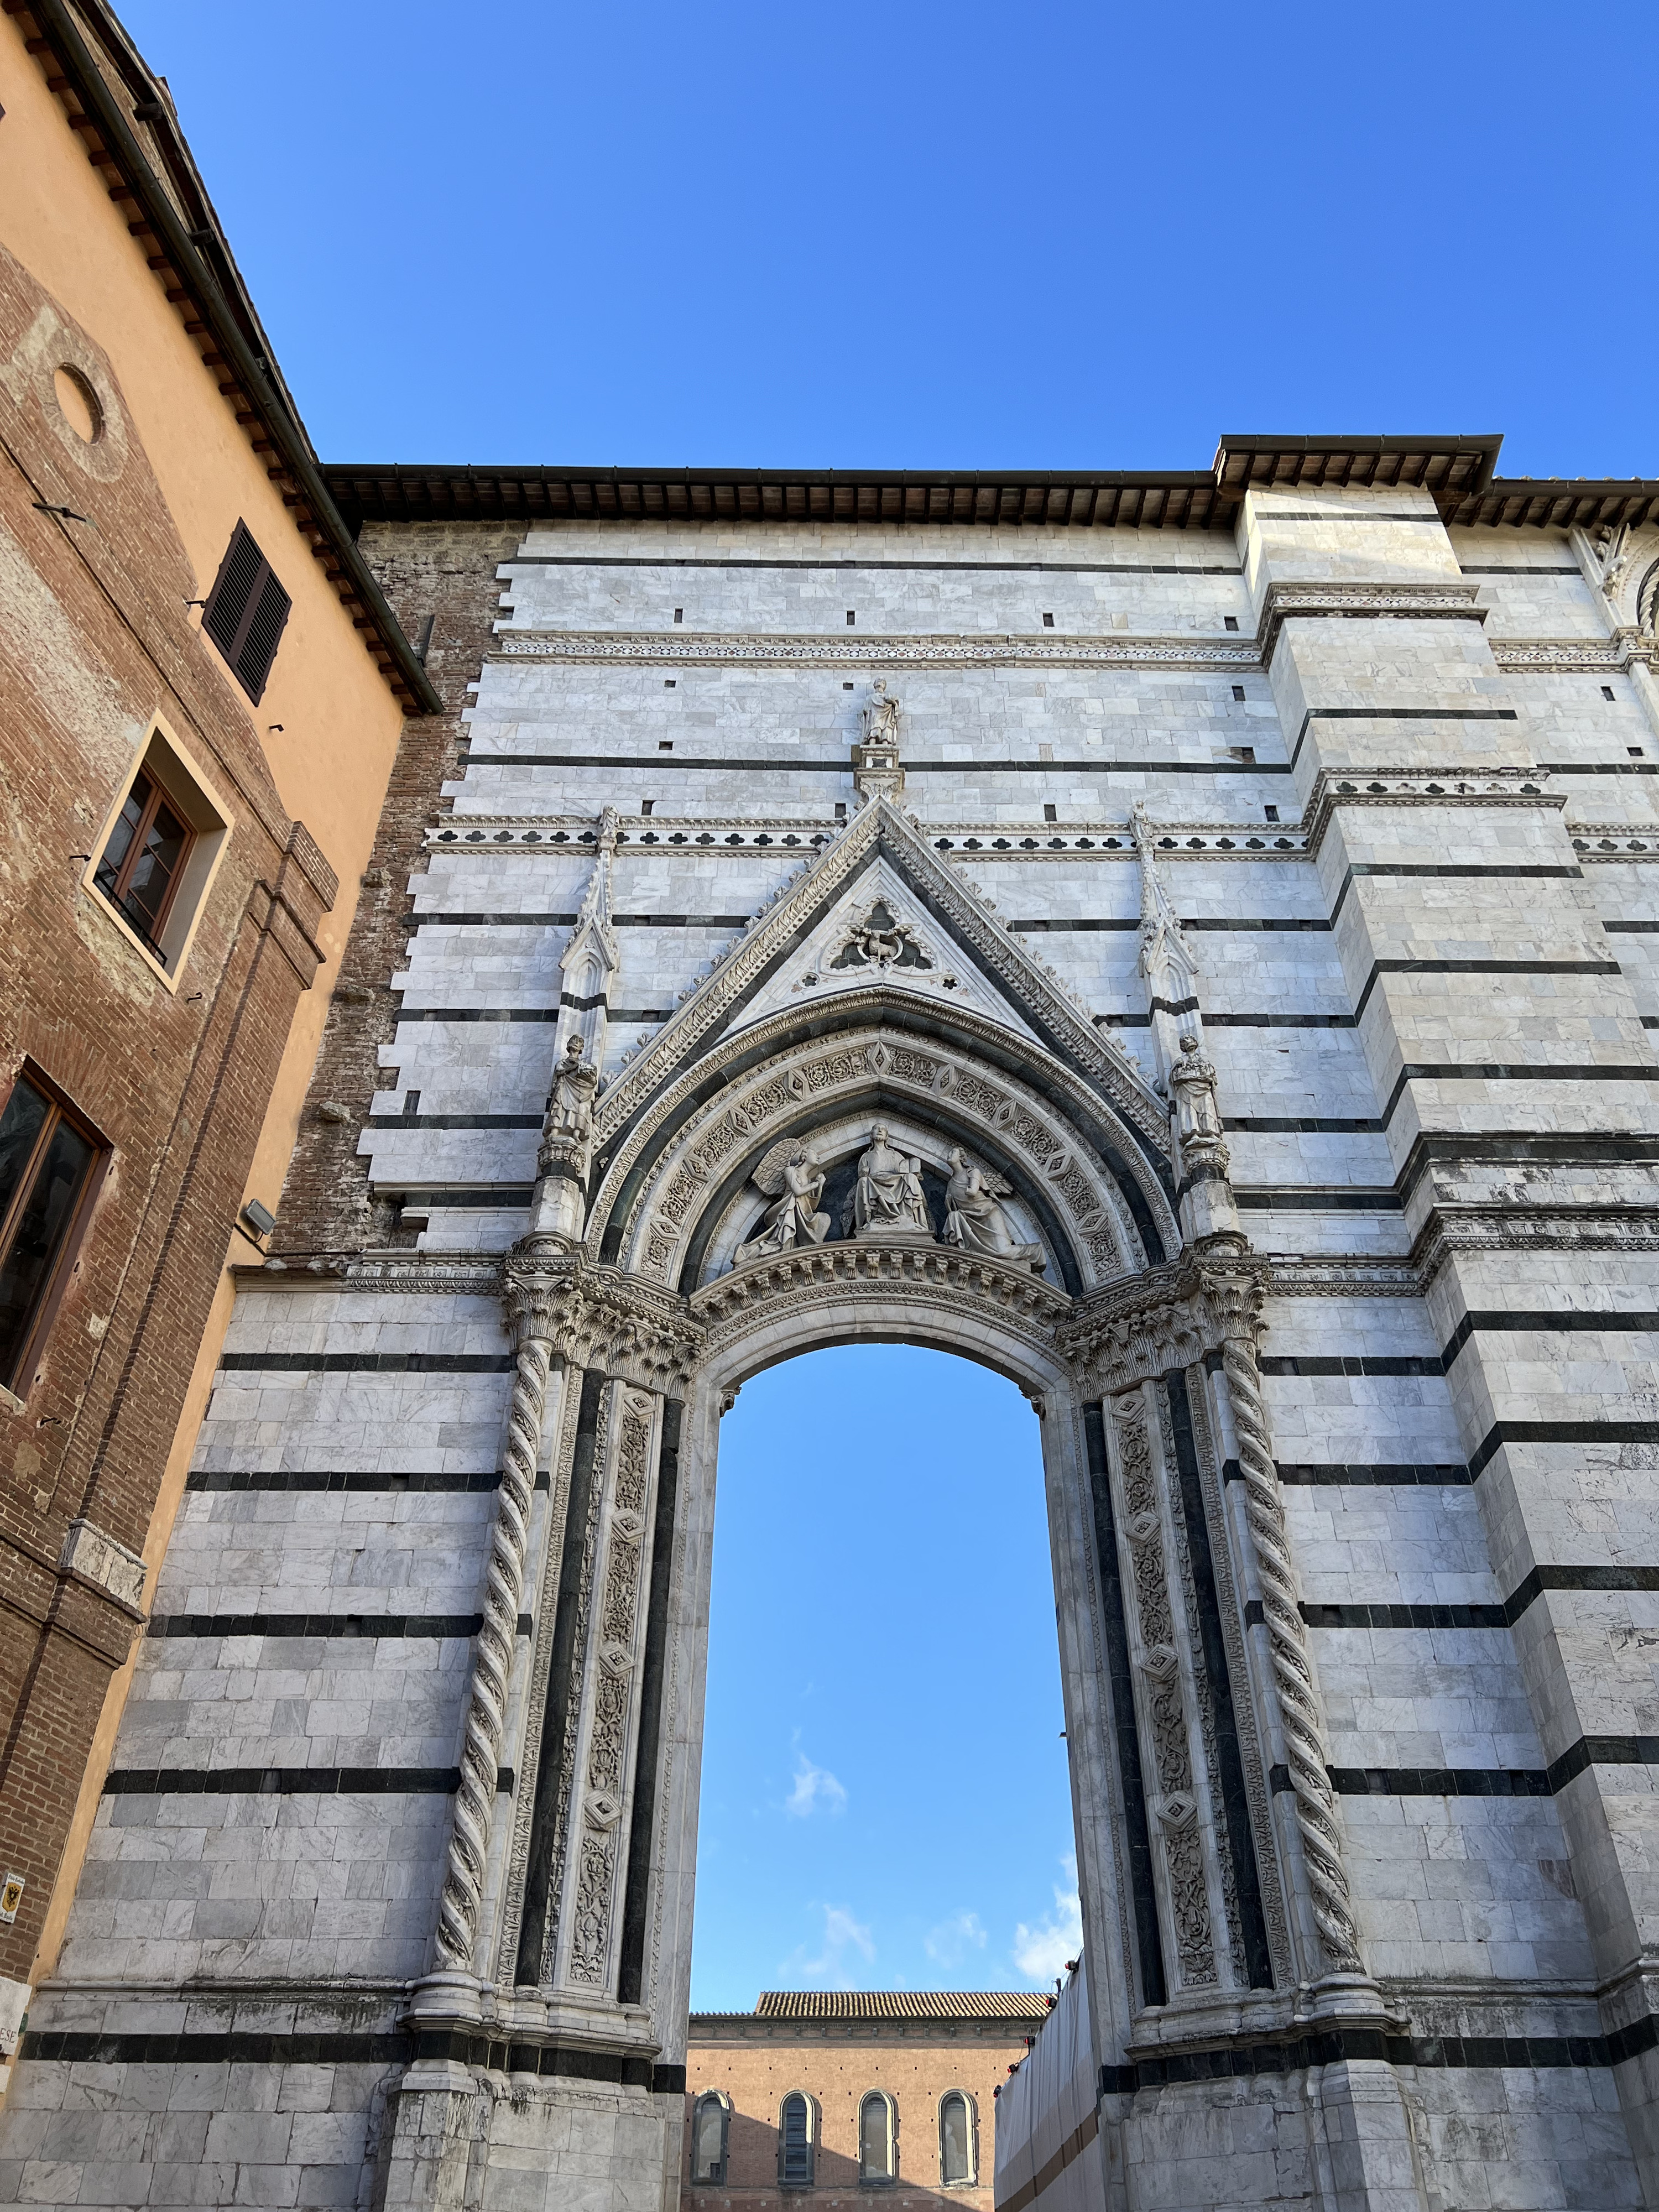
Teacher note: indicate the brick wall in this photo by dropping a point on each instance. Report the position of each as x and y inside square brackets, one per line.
[446, 572]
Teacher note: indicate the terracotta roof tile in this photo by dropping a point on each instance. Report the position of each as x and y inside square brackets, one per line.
[902, 2004]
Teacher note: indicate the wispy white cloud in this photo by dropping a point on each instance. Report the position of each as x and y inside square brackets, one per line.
[950, 1943]
[815, 1790]
[1041, 1953]
[844, 1937]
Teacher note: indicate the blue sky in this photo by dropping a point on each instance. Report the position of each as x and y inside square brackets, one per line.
[923, 235]
[937, 233]
[885, 1802]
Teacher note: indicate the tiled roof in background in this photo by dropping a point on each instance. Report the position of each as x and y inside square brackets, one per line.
[899, 2005]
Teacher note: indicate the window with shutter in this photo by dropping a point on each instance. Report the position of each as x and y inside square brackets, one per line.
[795, 2147]
[245, 612]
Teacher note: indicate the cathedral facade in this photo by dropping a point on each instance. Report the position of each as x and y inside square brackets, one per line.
[857, 909]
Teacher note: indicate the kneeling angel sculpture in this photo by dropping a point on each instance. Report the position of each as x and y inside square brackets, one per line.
[790, 1175]
[975, 1222]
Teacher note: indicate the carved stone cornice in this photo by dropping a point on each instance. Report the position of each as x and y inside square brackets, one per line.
[1625, 648]
[1318, 602]
[598, 1317]
[1168, 1317]
[790, 838]
[1345, 1276]
[402, 1274]
[1614, 841]
[1416, 786]
[705, 649]
[1451, 1229]
[851, 1274]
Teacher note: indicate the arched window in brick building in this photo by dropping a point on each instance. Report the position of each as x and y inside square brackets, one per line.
[956, 2138]
[710, 2126]
[877, 2138]
[797, 2140]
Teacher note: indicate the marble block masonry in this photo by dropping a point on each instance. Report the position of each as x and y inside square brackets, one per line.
[1189, 951]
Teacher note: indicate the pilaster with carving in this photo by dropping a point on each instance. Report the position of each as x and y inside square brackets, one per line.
[1161, 1691]
[1172, 1317]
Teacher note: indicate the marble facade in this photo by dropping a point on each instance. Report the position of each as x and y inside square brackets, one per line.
[1344, 1365]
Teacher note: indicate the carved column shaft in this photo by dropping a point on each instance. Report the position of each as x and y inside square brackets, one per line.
[462, 1898]
[1300, 1720]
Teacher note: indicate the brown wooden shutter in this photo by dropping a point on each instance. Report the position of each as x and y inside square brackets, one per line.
[245, 612]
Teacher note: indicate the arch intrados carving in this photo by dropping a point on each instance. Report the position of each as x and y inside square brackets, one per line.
[638, 1155]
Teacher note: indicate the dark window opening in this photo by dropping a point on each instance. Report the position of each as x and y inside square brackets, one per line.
[245, 612]
[665, 745]
[646, 806]
[840, 809]
[1607, 690]
[851, 617]
[1230, 622]
[1247, 754]
[1050, 814]
[709, 2127]
[46, 1160]
[138, 872]
[1238, 691]
[411, 1104]
[956, 2146]
[845, 687]
[875, 2138]
[795, 2143]
[1635, 751]
[670, 683]
[1270, 813]
[1048, 621]
[679, 614]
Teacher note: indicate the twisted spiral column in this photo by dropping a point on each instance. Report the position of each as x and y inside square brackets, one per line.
[1305, 1748]
[486, 1708]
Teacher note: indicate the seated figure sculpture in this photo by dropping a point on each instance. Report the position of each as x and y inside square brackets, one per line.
[887, 1198]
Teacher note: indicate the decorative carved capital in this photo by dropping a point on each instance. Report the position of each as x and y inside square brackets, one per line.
[1169, 1317]
[599, 1317]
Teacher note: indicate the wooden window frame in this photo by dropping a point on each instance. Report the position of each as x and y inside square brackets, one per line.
[116, 893]
[196, 800]
[61, 1108]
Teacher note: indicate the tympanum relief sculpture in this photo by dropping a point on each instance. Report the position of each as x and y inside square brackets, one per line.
[887, 1202]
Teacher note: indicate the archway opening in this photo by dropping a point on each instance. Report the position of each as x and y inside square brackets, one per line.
[886, 1800]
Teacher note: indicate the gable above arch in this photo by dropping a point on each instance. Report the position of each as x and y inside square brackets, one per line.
[879, 903]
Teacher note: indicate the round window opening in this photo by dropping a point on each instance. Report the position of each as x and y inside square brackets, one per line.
[79, 405]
